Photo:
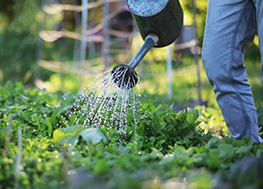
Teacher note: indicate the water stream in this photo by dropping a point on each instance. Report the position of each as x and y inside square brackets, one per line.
[104, 104]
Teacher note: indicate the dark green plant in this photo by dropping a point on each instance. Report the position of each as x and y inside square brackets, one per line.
[33, 110]
[161, 149]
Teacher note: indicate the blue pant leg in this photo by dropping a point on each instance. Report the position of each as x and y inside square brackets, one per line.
[259, 13]
[230, 26]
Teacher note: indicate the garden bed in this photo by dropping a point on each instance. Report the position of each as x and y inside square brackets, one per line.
[164, 149]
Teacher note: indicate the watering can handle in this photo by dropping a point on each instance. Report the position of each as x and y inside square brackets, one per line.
[149, 42]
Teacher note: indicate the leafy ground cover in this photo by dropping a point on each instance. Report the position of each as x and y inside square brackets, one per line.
[165, 149]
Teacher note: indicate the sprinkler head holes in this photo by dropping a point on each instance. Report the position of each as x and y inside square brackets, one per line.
[124, 76]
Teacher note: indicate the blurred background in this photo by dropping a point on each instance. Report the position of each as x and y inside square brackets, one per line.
[62, 45]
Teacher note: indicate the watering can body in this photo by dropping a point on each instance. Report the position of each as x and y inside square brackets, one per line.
[162, 17]
[160, 23]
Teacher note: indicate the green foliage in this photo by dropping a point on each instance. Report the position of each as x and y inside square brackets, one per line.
[31, 110]
[157, 128]
[164, 149]
[72, 134]
[19, 40]
[212, 120]
[39, 166]
[161, 129]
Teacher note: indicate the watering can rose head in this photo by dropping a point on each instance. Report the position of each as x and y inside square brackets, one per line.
[124, 76]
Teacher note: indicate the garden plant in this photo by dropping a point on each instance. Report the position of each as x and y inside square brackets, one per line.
[164, 149]
[43, 146]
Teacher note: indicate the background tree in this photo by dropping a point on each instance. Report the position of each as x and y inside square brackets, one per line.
[19, 28]
[18, 39]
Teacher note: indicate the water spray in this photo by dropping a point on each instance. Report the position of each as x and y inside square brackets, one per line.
[159, 23]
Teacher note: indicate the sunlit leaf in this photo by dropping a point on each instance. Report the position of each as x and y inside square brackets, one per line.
[93, 136]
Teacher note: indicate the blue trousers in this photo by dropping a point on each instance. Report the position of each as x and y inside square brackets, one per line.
[230, 26]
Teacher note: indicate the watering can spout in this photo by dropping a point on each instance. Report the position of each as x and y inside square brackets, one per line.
[159, 23]
[149, 42]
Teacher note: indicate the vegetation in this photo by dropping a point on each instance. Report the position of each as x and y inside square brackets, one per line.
[165, 149]
[18, 36]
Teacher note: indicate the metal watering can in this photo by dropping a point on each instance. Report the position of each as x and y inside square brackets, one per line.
[159, 23]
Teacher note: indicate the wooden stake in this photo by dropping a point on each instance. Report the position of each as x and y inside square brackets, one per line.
[7, 137]
[18, 156]
[106, 42]
[196, 55]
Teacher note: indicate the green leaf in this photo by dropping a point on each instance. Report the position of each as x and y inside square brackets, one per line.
[64, 136]
[101, 167]
[73, 129]
[50, 128]
[71, 140]
[35, 119]
[191, 117]
[155, 154]
[23, 98]
[214, 161]
[67, 99]
[27, 116]
[69, 131]
[140, 129]
[149, 102]
[123, 161]
[212, 142]
[163, 137]
[93, 136]
[226, 151]
[57, 134]
[6, 118]
[244, 150]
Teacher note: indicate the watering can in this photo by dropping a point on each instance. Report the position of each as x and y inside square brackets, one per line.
[159, 23]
